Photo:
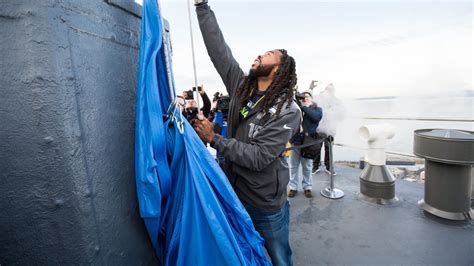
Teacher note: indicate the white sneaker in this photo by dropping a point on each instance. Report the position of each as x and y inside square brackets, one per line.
[329, 172]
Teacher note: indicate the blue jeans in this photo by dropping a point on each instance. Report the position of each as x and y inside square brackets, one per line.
[306, 164]
[273, 226]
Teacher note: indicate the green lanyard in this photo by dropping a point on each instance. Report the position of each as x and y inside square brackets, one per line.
[245, 110]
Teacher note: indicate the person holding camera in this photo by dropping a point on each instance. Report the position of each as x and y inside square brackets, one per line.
[312, 114]
[191, 108]
[262, 118]
[220, 103]
[218, 116]
[219, 113]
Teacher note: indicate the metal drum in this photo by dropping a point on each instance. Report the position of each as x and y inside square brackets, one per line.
[449, 156]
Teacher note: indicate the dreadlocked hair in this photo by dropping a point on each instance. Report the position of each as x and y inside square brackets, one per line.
[283, 85]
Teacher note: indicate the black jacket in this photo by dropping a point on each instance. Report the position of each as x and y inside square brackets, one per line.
[253, 148]
[311, 116]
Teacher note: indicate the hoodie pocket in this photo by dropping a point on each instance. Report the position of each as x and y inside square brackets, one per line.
[280, 184]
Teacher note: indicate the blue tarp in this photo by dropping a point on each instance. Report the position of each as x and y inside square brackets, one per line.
[192, 215]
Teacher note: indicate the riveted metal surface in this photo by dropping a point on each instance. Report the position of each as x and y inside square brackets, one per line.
[67, 116]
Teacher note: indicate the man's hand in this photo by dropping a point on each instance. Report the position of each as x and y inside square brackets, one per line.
[307, 102]
[204, 128]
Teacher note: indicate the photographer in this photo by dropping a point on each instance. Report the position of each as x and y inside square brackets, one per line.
[191, 108]
[220, 110]
[219, 116]
[312, 114]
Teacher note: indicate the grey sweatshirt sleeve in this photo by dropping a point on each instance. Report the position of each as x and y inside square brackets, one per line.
[218, 50]
[265, 147]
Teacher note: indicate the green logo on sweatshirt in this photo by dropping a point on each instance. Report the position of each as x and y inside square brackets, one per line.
[244, 111]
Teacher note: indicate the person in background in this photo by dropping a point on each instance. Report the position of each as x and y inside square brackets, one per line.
[312, 114]
[262, 119]
[191, 109]
[215, 98]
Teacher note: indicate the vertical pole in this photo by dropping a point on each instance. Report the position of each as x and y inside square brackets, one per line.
[193, 55]
[331, 162]
[331, 192]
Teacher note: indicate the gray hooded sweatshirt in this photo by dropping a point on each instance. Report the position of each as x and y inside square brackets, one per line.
[253, 148]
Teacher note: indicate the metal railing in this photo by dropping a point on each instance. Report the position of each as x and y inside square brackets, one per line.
[403, 118]
[388, 152]
[419, 119]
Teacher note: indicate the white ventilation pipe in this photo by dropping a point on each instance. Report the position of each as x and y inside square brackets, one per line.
[376, 135]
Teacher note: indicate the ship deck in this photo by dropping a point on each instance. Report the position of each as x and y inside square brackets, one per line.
[352, 231]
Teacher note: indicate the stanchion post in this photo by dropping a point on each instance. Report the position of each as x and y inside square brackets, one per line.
[331, 192]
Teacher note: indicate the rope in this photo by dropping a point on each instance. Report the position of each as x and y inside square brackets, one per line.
[418, 119]
[388, 152]
[313, 142]
[192, 51]
[317, 141]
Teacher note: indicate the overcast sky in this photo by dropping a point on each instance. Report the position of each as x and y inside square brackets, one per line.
[366, 49]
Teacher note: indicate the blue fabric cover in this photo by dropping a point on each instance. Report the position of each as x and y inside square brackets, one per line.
[192, 215]
[219, 121]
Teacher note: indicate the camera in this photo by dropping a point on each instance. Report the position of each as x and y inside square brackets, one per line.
[189, 95]
[300, 96]
[223, 104]
[191, 113]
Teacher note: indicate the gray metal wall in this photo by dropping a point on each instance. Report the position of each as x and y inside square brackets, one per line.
[67, 116]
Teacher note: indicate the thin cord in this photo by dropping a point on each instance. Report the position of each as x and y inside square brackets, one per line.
[192, 51]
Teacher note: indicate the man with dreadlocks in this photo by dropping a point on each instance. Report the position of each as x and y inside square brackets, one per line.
[262, 119]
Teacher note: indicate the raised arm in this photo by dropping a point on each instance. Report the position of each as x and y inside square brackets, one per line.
[217, 48]
[206, 108]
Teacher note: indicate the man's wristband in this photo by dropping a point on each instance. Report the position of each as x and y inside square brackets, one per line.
[200, 2]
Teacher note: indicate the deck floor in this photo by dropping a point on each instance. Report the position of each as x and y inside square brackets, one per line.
[351, 231]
